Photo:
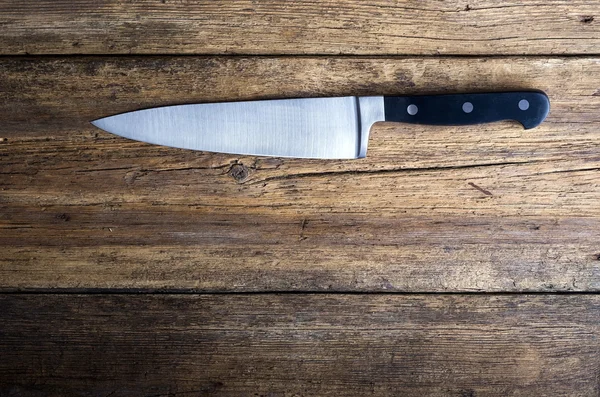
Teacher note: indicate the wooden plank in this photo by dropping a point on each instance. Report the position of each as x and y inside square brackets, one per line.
[484, 208]
[269, 345]
[383, 27]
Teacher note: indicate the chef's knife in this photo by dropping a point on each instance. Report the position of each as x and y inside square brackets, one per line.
[324, 128]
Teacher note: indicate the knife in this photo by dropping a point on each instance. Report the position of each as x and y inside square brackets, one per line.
[322, 128]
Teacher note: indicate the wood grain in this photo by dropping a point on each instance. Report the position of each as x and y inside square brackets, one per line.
[431, 209]
[383, 27]
[300, 345]
[483, 208]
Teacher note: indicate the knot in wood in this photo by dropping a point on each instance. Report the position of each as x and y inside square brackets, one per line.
[239, 172]
[63, 217]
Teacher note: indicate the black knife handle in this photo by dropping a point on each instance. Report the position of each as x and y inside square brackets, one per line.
[529, 108]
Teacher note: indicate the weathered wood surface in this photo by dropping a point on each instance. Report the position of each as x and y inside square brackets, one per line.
[299, 345]
[480, 27]
[480, 209]
[483, 208]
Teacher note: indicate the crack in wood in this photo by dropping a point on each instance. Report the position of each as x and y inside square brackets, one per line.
[486, 192]
[391, 171]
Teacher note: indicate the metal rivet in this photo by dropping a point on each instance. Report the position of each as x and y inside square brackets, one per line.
[523, 104]
[412, 109]
[467, 107]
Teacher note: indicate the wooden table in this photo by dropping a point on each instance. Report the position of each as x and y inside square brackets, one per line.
[450, 262]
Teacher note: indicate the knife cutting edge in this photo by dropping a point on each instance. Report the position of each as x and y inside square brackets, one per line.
[323, 128]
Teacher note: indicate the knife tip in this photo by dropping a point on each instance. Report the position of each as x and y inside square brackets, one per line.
[98, 123]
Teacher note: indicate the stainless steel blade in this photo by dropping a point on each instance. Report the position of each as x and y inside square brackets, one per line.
[325, 128]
